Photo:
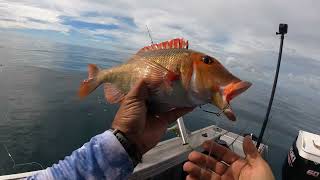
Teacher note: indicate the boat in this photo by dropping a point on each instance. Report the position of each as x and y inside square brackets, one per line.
[166, 159]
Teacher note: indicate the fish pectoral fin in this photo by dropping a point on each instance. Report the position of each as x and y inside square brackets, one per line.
[112, 93]
[156, 75]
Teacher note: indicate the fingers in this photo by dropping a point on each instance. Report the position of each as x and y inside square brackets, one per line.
[205, 161]
[250, 150]
[222, 153]
[173, 115]
[138, 91]
[196, 172]
[190, 177]
[192, 169]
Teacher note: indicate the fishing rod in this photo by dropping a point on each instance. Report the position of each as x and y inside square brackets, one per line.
[283, 29]
[149, 34]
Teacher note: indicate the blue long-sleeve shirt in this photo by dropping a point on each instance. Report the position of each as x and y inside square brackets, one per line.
[101, 158]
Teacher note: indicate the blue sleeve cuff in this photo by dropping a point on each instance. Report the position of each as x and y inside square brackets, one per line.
[103, 157]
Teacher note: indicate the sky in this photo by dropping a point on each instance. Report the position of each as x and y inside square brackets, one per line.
[218, 27]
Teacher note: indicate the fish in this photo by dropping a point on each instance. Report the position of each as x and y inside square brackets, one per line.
[176, 77]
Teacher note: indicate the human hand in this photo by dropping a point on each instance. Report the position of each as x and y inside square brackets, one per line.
[253, 167]
[140, 127]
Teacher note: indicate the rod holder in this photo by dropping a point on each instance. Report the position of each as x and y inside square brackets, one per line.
[183, 131]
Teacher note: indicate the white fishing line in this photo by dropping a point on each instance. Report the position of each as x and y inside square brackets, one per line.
[19, 164]
[10, 156]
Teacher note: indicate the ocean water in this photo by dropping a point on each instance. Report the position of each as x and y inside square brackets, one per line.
[42, 120]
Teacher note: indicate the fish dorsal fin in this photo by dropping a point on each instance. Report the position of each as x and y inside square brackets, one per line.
[178, 43]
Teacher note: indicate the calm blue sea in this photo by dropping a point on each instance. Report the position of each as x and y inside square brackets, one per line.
[42, 120]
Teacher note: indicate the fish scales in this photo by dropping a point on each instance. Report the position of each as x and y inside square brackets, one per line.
[176, 60]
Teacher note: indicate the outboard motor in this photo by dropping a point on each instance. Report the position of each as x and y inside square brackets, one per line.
[303, 160]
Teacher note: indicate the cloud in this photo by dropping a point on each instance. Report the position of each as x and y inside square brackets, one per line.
[216, 27]
[21, 16]
[98, 20]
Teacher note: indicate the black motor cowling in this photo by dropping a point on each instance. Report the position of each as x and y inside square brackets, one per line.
[296, 167]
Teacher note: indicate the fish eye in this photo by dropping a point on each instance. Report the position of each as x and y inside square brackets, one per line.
[207, 59]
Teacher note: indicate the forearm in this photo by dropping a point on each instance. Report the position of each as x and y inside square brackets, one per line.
[103, 157]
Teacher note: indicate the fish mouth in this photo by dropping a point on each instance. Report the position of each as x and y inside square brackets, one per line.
[229, 114]
[229, 92]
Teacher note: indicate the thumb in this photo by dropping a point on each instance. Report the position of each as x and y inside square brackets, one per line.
[250, 150]
[138, 91]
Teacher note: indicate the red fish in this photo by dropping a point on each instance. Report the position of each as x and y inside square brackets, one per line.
[177, 77]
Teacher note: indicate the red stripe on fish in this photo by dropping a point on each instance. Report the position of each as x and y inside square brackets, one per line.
[171, 76]
[176, 43]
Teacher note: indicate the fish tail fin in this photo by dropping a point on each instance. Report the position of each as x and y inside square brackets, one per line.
[90, 84]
